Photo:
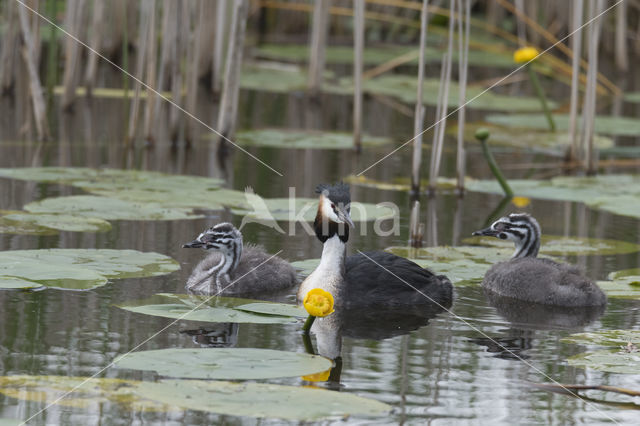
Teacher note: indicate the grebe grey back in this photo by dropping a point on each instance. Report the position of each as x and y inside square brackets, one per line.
[359, 280]
[230, 260]
[526, 277]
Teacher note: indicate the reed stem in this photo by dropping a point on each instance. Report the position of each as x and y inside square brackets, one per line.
[543, 100]
[482, 135]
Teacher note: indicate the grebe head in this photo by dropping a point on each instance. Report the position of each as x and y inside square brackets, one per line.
[333, 217]
[520, 228]
[223, 237]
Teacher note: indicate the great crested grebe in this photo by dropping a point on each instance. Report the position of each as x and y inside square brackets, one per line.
[231, 261]
[526, 277]
[366, 279]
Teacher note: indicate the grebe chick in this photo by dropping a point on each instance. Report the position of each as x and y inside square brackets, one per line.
[526, 277]
[359, 280]
[229, 260]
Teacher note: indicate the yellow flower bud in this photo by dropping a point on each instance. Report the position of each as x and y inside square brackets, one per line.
[521, 202]
[525, 54]
[318, 303]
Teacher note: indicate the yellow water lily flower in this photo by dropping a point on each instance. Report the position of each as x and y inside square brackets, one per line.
[318, 303]
[521, 202]
[525, 54]
[318, 377]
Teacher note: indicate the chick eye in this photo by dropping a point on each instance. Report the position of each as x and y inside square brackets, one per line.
[333, 206]
[502, 236]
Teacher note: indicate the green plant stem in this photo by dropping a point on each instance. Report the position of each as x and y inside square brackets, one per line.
[308, 346]
[495, 169]
[308, 323]
[543, 100]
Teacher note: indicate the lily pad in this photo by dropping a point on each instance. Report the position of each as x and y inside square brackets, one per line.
[39, 224]
[234, 399]
[514, 137]
[215, 309]
[274, 309]
[615, 338]
[623, 288]
[605, 125]
[619, 194]
[78, 269]
[108, 208]
[224, 363]
[609, 360]
[397, 184]
[24, 228]
[284, 138]
[557, 245]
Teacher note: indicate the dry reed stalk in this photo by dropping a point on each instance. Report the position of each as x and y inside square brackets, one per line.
[167, 33]
[73, 22]
[218, 46]
[576, 47]
[193, 54]
[520, 26]
[318, 42]
[152, 66]
[10, 48]
[358, 41]
[229, 102]
[621, 52]
[143, 41]
[416, 229]
[463, 45]
[418, 119]
[35, 87]
[95, 41]
[589, 108]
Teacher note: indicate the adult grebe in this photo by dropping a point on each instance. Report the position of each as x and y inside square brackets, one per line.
[526, 277]
[229, 261]
[369, 279]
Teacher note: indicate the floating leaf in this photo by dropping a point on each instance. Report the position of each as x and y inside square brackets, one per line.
[615, 338]
[234, 399]
[623, 288]
[54, 222]
[224, 363]
[514, 137]
[284, 138]
[10, 422]
[274, 309]
[558, 245]
[261, 399]
[191, 308]
[78, 269]
[397, 184]
[606, 125]
[24, 228]
[609, 360]
[108, 208]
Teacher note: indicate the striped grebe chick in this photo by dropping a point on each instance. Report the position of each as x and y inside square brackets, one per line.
[375, 278]
[230, 260]
[526, 277]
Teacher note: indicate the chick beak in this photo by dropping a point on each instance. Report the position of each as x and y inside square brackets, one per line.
[487, 232]
[193, 244]
[344, 216]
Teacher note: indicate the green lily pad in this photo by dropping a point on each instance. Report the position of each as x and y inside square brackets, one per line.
[78, 269]
[215, 309]
[10, 422]
[55, 222]
[623, 288]
[557, 245]
[615, 338]
[275, 80]
[514, 137]
[224, 363]
[609, 360]
[108, 208]
[397, 184]
[606, 125]
[619, 194]
[283, 309]
[234, 399]
[24, 228]
[286, 209]
[284, 138]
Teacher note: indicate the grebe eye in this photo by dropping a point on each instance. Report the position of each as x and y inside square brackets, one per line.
[502, 236]
[333, 206]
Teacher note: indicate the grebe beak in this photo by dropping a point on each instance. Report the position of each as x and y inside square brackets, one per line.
[344, 216]
[487, 232]
[193, 244]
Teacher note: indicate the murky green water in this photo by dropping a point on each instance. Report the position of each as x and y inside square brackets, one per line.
[447, 372]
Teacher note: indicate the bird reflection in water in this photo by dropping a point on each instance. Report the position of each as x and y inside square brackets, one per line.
[220, 335]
